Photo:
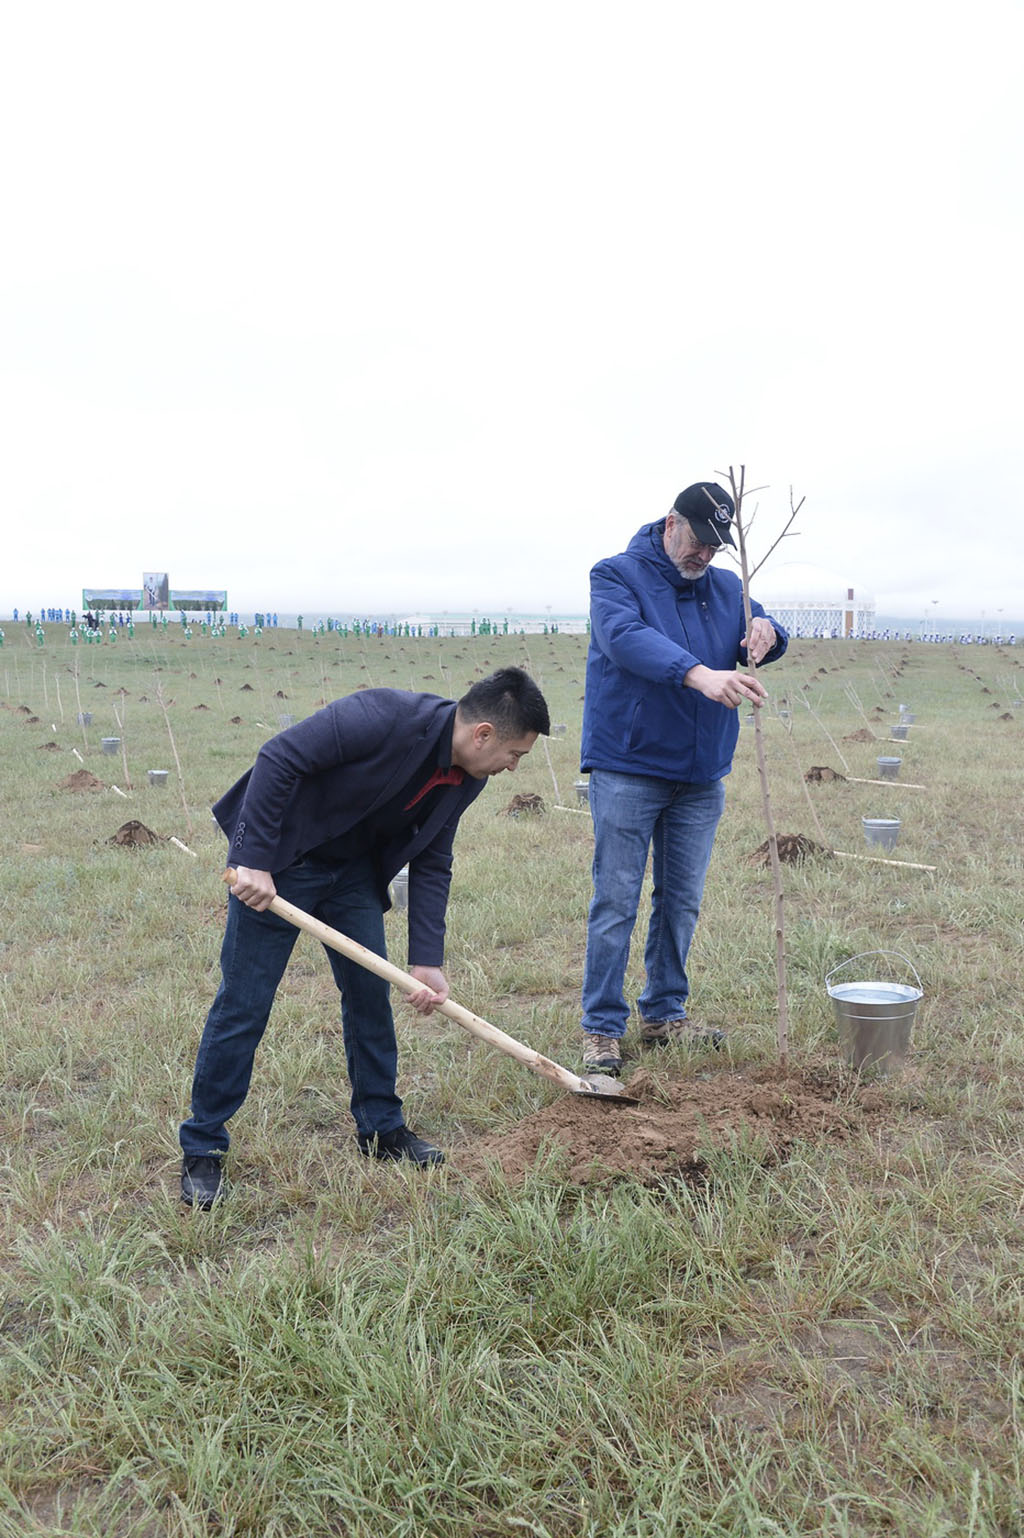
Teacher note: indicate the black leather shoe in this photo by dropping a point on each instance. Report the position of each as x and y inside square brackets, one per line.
[399, 1144]
[200, 1180]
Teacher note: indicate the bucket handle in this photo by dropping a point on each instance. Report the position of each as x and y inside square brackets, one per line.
[862, 954]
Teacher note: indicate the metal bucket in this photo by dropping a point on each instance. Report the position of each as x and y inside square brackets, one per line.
[874, 1019]
[400, 888]
[888, 768]
[907, 716]
[157, 776]
[882, 831]
[110, 745]
[85, 718]
[582, 789]
[899, 731]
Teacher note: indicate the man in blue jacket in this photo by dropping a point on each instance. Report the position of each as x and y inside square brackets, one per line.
[329, 813]
[659, 733]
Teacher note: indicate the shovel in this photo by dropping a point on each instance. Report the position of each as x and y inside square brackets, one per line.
[598, 1086]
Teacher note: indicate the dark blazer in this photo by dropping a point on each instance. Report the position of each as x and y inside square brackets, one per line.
[319, 779]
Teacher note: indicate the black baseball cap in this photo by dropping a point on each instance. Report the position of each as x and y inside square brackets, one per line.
[709, 511]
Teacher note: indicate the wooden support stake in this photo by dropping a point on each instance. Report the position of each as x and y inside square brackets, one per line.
[877, 860]
[853, 779]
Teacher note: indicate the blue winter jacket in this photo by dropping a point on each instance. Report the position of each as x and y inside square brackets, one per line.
[648, 628]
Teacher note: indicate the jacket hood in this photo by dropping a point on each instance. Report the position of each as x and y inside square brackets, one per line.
[647, 545]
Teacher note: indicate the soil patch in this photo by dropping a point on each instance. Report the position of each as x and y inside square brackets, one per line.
[793, 849]
[822, 773]
[51, 747]
[134, 835]
[81, 780]
[529, 804]
[865, 734]
[676, 1124]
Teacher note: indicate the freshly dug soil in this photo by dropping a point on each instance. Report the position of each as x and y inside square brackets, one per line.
[793, 848]
[529, 803]
[134, 835]
[865, 734]
[675, 1125]
[80, 780]
[821, 773]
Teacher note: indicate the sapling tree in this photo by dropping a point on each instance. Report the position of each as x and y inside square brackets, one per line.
[742, 524]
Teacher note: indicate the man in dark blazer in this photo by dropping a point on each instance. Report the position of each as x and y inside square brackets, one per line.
[329, 813]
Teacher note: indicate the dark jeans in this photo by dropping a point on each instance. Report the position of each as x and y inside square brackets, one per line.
[253, 958]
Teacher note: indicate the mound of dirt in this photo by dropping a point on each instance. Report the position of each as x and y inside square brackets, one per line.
[822, 772]
[865, 734]
[134, 835]
[236, 720]
[528, 804]
[793, 848]
[246, 689]
[675, 1125]
[81, 780]
[51, 747]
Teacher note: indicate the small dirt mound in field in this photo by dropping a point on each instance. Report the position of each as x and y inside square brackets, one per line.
[526, 805]
[23, 710]
[236, 720]
[246, 689]
[200, 707]
[676, 1125]
[279, 694]
[1006, 716]
[865, 734]
[51, 747]
[134, 835]
[81, 780]
[793, 848]
[821, 773]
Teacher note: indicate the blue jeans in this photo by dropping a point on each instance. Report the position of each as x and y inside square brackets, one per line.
[253, 958]
[632, 813]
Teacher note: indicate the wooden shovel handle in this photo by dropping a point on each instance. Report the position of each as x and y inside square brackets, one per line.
[474, 1024]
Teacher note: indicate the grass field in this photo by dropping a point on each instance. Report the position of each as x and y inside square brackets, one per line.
[829, 1342]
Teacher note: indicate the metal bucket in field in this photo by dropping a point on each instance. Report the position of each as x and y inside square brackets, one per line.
[907, 716]
[899, 731]
[883, 832]
[888, 768]
[110, 745]
[400, 888]
[874, 1018]
[157, 776]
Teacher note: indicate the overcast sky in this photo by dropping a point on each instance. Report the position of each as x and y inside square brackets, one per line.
[374, 307]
